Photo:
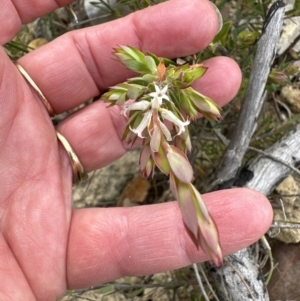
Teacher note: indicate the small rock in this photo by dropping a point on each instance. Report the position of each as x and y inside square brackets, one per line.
[288, 186]
[291, 211]
[291, 96]
[291, 30]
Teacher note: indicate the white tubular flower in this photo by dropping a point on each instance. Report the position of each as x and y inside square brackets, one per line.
[158, 96]
[166, 114]
[143, 124]
[136, 106]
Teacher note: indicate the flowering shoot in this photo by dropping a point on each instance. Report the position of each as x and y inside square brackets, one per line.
[159, 104]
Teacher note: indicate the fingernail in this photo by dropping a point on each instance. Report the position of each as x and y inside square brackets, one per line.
[220, 18]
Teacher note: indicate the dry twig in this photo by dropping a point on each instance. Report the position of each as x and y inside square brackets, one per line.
[235, 289]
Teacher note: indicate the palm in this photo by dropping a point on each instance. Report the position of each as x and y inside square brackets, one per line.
[46, 247]
[35, 192]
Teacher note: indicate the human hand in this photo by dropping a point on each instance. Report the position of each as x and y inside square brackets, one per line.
[45, 246]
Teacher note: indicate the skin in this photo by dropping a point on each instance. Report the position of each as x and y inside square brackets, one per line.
[45, 246]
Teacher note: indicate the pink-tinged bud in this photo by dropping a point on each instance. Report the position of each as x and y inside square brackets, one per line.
[147, 164]
[208, 236]
[291, 69]
[145, 156]
[183, 141]
[208, 239]
[149, 168]
[183, 194]
[180, 164]
[129, 136]
[198, 199]
[277, 77]
[197, 219]
[173, 186]
[165, 131]
[294, 54]
[161, 161]
[155, 139]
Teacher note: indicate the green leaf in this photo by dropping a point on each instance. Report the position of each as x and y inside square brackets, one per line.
[115, 97]
[151, 64]
[179, 70]
[137, 81]
[150, 78]
[223, 34]
[122, 57]
[203, 104]
[116, 93]
[134, 53]
[121, 100]
[134, 59]
[112, 95]
[191, 75]
[136, 292]
[157, 59]
[106, 289]
[136, 66]
[134, 91]
[134, 121]
[144, 80]
[186, 105]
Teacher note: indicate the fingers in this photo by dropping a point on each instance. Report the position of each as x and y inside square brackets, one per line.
[106, 244]
[221, 81]
[15, 13]
[80, 65]
[95, 132]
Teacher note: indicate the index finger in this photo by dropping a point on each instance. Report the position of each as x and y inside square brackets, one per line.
[79, 65]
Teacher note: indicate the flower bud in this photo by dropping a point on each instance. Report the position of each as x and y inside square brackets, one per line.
[161, 161]
[147, 164]
[277, 77]
[247, 38]
[197, 219]
[179, 164]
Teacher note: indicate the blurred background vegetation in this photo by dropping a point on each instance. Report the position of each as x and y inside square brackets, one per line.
[243, 24]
